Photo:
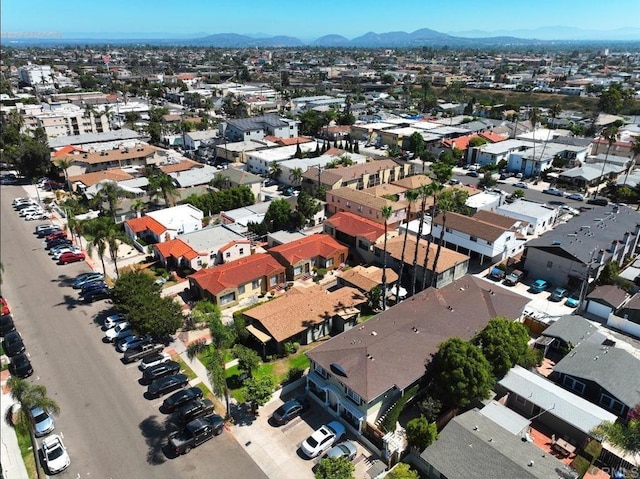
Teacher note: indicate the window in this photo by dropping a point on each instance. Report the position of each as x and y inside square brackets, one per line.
[329, 263]
[353, 396]
[273, 280]
[549, 264]
[227, 298]
[227, 254]
[212, 255]
[255, 284]
[241, 250]
[574, 384]
[199, 262]
[520, 400]
[241, 289]
[448, 230]
[362, 245]
[611, 404]
[297, 270]
[473, 238]
[321, 371]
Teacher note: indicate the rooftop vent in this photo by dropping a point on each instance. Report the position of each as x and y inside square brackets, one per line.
[558, 242]
[373, 333]
[337, 369]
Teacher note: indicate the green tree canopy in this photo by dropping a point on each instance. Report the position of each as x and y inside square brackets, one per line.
[441, 171]
[626, 437]
[402, 471]
[420, 433]
[334, 468]
[248, 359]
[504, 343]
[462, 372]
[278, 215]
[258, 391]
[307, 206]
[416, 143]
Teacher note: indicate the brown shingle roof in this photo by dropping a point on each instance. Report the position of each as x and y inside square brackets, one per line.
[365, 199]
[365, 279]
[448, 258]
[90, 179]
[496, 219]
[413, 182]
[609, 294]
[106, 156]
[407, 334]
[472, 226]
[184, 165]
[299, 308]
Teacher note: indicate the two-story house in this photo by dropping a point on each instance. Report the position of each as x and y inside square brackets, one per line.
[360, 234]
[539, 217]
[227, 284]
[359, 176]
[366, 205]
[487, 235]
[359, 374]
[256, 128]
[81, 163]
[163, 225]
[305, 255]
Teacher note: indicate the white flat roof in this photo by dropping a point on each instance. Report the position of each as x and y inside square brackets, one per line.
[282, 153]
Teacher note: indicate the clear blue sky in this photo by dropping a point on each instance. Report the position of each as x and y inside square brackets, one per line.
[306, 19]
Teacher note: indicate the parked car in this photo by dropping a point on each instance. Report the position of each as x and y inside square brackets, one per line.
[322, 439]
[454, 181]
[553, 191]
[513, 278]
[57, 242]
[473, 174]
[344, 449]
[165, 385]
[195, 409]
[31, 210]
[521, 184]
[132, 342]
[576, 196]
[153, 359]
[55, 235]
[119, 331]
[538, 286]
[12, 344]
[20, 366]
[43, 233]
[42, 421]
[54, 454]
[160, 370]
[112, 320]
[141, 352]
[598, 201]
[59, 251]
[6, 324]
[43, 226]
[93, 286]
[573, 301]
[195, 433]
[70, 257]
[497, 273]
[36, 215]
[558, 294]
[96, 294]
[85, 278]
[181, 398]
[289, 410]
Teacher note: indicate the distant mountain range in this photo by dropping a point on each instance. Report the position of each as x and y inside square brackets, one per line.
[419, 38]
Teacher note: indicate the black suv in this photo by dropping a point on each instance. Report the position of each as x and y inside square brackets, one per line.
[195, 409]
[6, 324]
[598, 201]
[13, 344]
[180, 398]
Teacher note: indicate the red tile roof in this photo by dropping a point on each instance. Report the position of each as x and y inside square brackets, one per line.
[177, 249]
[461, 142]
[354, 225]
[493, 137]
[287, 141]
[235, 273]
[144, 223]
[321, 245]
[65, 150]
[232, 243]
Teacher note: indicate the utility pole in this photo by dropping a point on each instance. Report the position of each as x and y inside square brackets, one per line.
[585, 282]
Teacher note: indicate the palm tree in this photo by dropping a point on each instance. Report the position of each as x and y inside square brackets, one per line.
[139, 206]
[387, 211]
[533, 116]
[99, 243]
[64, 164]
[296, 175]
[111, 193]
[275, 171]
[611, 134]
[555, 110]
[444, 205]
[635, 149]
[412, 197]
[434, 190]
[29, 396]
[424, 193]
[162, 184]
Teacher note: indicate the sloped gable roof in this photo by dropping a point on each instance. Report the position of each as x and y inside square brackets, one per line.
[176, 248]
[311, 246]
[354, 225]
[144, 223]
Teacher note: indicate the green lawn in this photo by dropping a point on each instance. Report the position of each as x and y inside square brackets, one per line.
[24, 442]
[185, 369]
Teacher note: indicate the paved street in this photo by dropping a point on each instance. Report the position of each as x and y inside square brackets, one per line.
[110, 429]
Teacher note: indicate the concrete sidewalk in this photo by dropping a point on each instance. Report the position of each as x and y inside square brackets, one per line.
[12, 464]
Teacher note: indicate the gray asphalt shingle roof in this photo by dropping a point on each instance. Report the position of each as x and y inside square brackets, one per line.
[257, 123]
[473, 446]
[614, 369]
[571, 329]
[604, 226]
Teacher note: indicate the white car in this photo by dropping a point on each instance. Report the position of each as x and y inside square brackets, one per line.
[521, 184]
[575, 196]
[131, 342]
[43, 226]
[121, 330]
[154, 360]
[31, 209]
[113, 320]
[54, 454]
[69, 249]
[322, 439]
[36, 215]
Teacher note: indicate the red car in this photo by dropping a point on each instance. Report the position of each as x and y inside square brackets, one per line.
[56, 235]
[70, 257]
[4, 306]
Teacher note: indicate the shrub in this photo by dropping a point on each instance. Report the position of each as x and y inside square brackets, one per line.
[389, 423]
[294, 374]
[321, 272]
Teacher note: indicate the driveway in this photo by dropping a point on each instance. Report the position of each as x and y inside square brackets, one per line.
[275, 449]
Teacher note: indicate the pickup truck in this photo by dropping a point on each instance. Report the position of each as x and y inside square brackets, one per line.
[140, 352]
[513, 278]
[195, 433]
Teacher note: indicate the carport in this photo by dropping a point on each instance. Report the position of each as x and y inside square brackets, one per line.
[263, 338]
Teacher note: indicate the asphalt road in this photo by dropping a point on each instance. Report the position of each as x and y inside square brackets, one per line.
[109, 428]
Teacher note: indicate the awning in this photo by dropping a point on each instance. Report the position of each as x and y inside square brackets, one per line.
[259, 335]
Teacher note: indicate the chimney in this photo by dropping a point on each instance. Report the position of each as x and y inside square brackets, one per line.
[614, 247]
[600, 256]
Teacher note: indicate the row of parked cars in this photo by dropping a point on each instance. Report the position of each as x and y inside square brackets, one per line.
[29, 209]
[161, 375]
[54, 453]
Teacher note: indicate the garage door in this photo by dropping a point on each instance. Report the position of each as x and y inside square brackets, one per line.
[598, 309]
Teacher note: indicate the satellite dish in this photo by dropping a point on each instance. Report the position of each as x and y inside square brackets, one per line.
[337, 369]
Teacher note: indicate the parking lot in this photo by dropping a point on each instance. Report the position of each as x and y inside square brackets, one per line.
[276, 449]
